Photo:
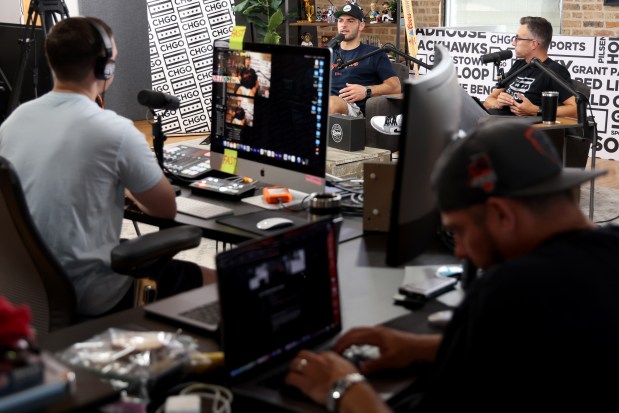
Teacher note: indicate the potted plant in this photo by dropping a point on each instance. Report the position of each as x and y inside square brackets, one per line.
[265, 16]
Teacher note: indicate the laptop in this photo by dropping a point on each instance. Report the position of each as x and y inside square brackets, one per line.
[197, 308]
[278, 295]
[303, 250]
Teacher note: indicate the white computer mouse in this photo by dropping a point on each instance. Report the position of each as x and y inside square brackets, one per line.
[440, 318]
[274, 223]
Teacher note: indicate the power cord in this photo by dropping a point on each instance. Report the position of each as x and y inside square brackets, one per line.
[220, 396]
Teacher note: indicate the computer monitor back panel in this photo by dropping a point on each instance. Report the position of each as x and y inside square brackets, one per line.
[270, 113]
[431, 118]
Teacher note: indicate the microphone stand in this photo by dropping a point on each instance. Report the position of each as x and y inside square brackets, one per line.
[158, 139]
[387, 47]
[500, 73]
[587, 122]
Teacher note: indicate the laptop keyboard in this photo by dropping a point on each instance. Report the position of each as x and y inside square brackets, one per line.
[277, 381]
[200, 209]
[208, 313]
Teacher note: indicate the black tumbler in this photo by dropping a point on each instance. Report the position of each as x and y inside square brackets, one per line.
[550, 100]
[323, 205]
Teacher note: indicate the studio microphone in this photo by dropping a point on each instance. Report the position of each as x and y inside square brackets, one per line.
[335, 41]
[158, 100]
[496, 56]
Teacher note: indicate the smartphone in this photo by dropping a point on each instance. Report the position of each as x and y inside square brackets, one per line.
[428, 287]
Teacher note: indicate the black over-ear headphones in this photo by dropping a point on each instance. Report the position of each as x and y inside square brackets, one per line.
[104, 65]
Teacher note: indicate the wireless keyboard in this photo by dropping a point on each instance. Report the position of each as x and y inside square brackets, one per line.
[200, 209]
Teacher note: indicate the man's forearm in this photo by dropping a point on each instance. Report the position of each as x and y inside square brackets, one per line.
[361, 398]
[390, 86]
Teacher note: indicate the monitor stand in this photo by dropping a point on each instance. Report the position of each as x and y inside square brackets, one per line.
[298, 198]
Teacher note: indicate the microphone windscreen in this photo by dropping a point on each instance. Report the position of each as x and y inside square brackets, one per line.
[496, 56]
[158, 100]
[336, 40]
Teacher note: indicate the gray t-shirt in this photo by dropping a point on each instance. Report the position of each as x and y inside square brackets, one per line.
[74, 161]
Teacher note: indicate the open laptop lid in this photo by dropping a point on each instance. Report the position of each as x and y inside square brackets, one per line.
[277, 295]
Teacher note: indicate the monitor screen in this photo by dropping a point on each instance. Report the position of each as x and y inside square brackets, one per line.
[270, 112]
[431, 110]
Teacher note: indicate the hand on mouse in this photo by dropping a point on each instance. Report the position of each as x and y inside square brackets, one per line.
[398, 349]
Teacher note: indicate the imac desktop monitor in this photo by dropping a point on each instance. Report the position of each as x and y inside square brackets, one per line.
[431, 109]
[270, 112]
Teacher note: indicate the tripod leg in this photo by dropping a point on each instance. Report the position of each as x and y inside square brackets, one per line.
[26, 41]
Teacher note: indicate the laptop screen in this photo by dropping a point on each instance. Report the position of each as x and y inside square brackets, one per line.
[277, 295]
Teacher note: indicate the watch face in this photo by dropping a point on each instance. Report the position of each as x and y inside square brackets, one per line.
[368, 92]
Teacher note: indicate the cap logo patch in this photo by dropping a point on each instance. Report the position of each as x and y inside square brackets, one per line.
[480, 173]
[347, 7]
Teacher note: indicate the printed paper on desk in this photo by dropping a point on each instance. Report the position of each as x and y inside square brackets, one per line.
[229, 162]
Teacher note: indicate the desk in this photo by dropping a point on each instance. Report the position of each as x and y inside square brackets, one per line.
[352, 226]
[366, 285]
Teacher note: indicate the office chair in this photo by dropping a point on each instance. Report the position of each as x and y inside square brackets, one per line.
[31, 274]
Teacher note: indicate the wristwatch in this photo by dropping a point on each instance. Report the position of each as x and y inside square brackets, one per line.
[339, 388]
[368, 92]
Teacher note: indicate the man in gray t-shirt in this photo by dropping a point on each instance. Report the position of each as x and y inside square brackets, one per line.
[76, 162]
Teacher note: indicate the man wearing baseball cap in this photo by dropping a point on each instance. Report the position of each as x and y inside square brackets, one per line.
[352, 85]
[539, 329]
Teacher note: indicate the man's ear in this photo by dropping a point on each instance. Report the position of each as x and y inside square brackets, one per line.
[501, 214]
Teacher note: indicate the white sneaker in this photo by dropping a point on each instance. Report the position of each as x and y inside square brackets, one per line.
[389, 125]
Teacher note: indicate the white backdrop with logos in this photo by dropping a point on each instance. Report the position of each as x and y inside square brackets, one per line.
[593, 60]
[181, 38]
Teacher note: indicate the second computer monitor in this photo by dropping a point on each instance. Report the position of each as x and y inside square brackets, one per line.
[270, 112]
[431, 118]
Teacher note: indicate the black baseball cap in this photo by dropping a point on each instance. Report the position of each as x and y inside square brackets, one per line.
[508, 159]
[351, 10]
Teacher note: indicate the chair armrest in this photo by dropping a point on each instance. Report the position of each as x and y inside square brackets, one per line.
[139, 257]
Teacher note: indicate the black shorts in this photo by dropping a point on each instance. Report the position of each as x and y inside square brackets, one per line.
[176, 277]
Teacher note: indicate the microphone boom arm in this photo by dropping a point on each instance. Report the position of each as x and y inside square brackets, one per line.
[385, 48]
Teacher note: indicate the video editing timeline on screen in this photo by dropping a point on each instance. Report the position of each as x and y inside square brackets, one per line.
[187, 162]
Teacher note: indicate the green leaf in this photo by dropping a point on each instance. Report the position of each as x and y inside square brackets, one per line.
[239, 8]
[275, 20]
[272, 38]
[276, 4]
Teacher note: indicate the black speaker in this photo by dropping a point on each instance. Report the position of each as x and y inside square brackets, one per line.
[346, 133]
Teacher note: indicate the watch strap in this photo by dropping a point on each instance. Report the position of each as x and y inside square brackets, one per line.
[339, 389]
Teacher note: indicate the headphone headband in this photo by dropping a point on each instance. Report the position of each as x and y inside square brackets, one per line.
[104, 66]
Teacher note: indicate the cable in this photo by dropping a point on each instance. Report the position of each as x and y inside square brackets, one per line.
[607, 220]
[221, 396]
[301, 206]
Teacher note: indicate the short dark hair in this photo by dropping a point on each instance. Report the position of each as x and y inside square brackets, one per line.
[72, 46]
[540, 28]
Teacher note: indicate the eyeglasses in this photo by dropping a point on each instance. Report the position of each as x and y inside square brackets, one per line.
[516, 39]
